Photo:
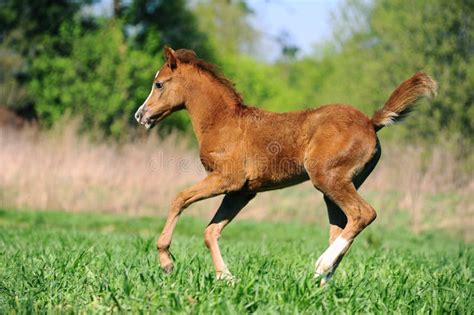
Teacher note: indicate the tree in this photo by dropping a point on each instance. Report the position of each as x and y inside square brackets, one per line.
[156, 23]
[227, 26]
[27, 28]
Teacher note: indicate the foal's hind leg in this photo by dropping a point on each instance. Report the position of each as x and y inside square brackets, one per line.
[337, 218]
[337, 223]
[229, 208]
[359, 215]
[331, 173]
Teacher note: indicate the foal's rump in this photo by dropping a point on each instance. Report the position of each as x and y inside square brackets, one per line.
[341, 145]
[344, 143]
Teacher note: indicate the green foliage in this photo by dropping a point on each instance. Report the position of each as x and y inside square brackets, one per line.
[13, 93]
[227, 26]
[29, 25]
[96, 81]
[159, 23]
[391, 40]
[252, 79]
[59, 262]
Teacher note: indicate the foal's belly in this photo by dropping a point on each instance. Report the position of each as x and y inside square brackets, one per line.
[257, 185]
[275, 176]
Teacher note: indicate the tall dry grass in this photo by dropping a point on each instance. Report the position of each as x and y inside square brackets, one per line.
[429, 186]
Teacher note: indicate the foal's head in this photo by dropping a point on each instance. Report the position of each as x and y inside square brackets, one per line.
[167, 92]
[179, 82]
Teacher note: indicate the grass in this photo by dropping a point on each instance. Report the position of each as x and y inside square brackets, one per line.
[55, 261]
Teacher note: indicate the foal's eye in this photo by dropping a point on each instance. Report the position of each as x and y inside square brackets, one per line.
[159, 85]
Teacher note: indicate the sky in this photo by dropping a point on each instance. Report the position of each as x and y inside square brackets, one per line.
[307, 22]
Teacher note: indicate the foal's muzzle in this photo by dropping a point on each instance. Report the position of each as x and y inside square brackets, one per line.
[149, 120]
[142, 120]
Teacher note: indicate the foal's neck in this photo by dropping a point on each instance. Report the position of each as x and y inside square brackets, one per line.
[210, 106]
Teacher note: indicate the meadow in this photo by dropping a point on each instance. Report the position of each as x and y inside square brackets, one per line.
[84, 262]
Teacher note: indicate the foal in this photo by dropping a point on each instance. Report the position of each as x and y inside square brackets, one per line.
[246, 150]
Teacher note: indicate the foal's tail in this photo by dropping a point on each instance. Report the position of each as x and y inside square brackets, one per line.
[401, 102]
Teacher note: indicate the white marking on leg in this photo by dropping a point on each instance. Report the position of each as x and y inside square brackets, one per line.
[327, 260]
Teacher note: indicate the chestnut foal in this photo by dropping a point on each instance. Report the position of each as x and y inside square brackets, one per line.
[246, 150]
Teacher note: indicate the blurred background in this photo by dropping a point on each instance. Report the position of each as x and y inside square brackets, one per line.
[73, 72]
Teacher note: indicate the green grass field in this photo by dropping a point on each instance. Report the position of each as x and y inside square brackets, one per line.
[100, 263]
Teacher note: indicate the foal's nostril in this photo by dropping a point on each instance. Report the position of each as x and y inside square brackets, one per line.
[139, 114]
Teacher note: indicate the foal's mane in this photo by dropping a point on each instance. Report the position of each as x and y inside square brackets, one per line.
[189, 57]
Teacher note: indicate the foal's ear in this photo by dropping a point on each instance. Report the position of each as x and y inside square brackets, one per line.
[170, 57]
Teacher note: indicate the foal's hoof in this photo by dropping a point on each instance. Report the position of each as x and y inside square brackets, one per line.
[323, 272]
[322, 278]
[168, 268]
[325, 279]
[322, 268]
[225, 276]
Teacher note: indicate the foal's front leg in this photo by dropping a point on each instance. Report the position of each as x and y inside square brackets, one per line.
[229, 208]
[211, 186]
